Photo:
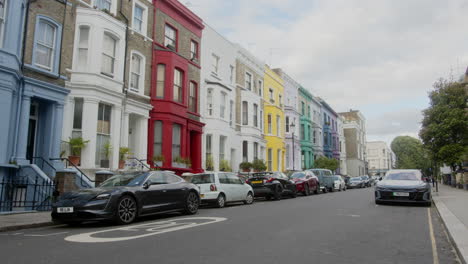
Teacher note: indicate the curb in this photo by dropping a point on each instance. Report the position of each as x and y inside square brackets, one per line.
[25, 226]
[457, 231]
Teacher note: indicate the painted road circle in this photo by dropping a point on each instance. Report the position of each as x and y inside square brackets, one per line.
[142, 230]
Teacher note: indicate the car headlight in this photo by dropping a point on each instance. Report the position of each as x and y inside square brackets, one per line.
[103, 196]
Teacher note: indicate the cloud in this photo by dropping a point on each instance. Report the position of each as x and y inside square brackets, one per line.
[354, 53]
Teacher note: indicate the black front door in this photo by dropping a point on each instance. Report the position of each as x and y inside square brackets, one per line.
[31, 147]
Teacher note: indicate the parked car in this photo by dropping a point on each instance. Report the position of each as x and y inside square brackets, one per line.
[326, 181]
[125, 197]
[403, 186]
[339, 183]
[356, 182]
[375, 179]
[272, 185]
[366, 180]
[219, 188]
[306, 182]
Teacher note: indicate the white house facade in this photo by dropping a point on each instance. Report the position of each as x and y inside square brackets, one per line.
[98, 108]
[380, 157]
[221, 141]
[342, 146]
[292, 122]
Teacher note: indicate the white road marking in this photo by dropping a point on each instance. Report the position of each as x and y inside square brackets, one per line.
[44, 235]
[150, 229]
[435, 256]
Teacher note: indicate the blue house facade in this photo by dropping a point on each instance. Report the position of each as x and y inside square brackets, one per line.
[32, 98]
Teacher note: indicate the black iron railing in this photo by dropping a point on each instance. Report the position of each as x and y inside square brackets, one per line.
[82, 175]
[26, 194]
[141, 162]
[43, 162]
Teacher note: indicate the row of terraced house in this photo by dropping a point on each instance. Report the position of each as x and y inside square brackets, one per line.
[150, 81]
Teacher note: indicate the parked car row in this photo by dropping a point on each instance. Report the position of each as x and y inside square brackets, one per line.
[125, 197]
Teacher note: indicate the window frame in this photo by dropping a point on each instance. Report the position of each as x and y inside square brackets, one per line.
[245, 113]
[155, 141]
[180, 87]
[3, 22]
[197, 50]
[144, 17]
[222, 105]
[176, 36]
[255, 115]
[193, 106]
[56, 49]
[209, 101]
[80, 48]
[159, 81]
[141, 82]
[248, 80]
[113, 57]
[215, 63]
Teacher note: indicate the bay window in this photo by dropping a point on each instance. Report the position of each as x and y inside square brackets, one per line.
[245, 113]
[103, 136]
[222, 105]
[176, 136]
[83, 39]
[157, 150]
[178, 77]
[160, 80]
[108, 55]
[255, 115]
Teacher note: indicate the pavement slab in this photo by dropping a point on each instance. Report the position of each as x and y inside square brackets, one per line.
[17, 221]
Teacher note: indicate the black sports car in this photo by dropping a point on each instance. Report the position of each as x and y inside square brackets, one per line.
[403, 186]
[125, 197]
[272, 185]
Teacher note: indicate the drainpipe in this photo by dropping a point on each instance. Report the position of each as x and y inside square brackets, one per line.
[125, 89]
[21, 87]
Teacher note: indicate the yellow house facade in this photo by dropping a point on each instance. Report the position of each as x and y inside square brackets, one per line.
[273, 104]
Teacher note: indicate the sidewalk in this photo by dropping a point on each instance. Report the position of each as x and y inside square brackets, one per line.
[452, 205]
[16, 221]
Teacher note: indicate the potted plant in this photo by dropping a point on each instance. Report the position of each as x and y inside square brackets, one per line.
[187, 162]
[123, 152]
[107, 148]
[158, 160]
[224, 166]
[178, 162]
[259, 165]
[76, 144]
[209, 164]
[245, 166]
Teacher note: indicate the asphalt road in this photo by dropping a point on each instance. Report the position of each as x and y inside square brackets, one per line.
[340, 227]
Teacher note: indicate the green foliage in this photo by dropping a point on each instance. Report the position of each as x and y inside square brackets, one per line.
[245, 165]
[410, 153]
[187, 161]
[326, 163]
[159, 158]
[209, 164]
[179, 159]
[123, 151]
[259, 165]
[76, 144]
[224, 166]
[107, 149]
[444, 129]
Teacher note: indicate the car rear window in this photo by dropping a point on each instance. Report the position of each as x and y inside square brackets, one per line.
[202, 178]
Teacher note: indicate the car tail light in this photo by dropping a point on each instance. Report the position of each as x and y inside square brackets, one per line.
[213, 187]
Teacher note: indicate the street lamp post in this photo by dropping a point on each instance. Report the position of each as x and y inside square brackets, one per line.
[292, 127]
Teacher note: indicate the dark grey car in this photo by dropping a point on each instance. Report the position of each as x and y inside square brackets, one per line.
[407, 186]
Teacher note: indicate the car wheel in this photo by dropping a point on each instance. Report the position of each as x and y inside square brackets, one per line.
[220, 201]
[332, 189]
[325, 190]
[294, 194]
[344, 188]
[192, 203]
[278, 192]
[126, 210]
[249, 199]
[306, 191]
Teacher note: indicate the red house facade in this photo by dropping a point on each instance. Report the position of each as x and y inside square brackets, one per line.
[175, 130]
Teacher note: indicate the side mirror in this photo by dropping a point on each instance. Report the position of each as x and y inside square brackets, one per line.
[147, 184]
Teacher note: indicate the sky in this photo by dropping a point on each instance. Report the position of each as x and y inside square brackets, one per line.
[377, 56]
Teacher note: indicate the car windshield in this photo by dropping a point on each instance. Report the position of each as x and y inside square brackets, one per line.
[202, 178]
[336, 178]
[364, 177]
[298, 175]
[130, 179]
[355, 179]
[402, 176]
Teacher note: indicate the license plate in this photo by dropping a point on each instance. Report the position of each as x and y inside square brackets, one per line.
[257, 182]
[401, 194]
[65, 210]
[202, 196]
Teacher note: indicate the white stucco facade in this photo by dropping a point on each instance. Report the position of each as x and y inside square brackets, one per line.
[292, 116]
[380, 157]
[218, 100]
[342, 145]
[354, 127]
[97, 108]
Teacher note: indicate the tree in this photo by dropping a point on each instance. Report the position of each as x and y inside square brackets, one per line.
[444, 129]
[326, 163]
[410, 154]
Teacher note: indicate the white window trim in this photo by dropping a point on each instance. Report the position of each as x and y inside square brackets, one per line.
[141, 88]
[252, 84]
[144, 26]
[116, 52]
[77, 45]
[113, 6]
[215, 70]
[2, 25]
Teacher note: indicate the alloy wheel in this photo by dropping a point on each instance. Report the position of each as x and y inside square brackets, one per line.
[249, 199]
[127, 210]
[192, 203]
[221, 201]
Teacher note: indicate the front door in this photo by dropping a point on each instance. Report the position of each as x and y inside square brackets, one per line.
[32, 132]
